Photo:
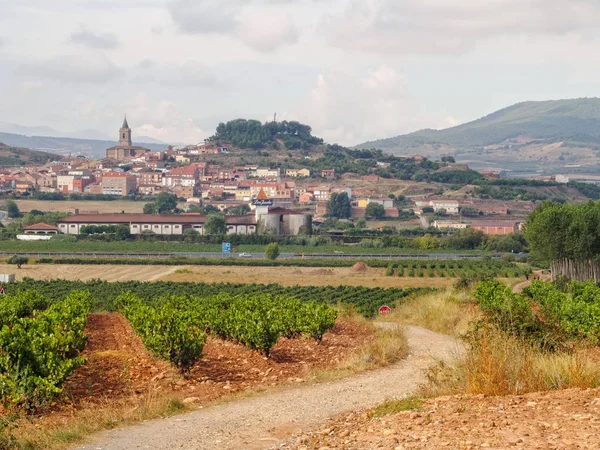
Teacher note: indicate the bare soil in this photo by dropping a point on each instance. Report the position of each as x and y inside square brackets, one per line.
[568, 419]
[119, 366]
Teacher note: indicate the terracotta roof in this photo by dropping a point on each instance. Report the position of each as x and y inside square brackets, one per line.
[494, 224]
[40, 227]
[262, 195]
[188, 170]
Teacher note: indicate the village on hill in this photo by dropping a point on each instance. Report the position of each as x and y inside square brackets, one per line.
[215, 176]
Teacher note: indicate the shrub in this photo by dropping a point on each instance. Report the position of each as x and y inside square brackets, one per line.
[272, 251]
[18, 260]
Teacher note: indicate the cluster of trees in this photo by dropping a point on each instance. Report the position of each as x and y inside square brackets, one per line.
[567, 237]
[254, 134]
[339, 206]
[164, 203]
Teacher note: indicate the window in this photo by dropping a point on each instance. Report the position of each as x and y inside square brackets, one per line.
[177, 226]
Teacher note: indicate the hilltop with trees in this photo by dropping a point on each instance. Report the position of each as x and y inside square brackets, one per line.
[252, 134]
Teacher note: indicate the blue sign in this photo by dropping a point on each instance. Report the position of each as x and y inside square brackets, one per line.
[226, 247]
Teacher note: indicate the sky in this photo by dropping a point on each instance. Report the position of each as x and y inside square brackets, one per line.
[354, 70]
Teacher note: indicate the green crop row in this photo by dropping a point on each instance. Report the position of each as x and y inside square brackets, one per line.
[39, 349]
[365, 300]
[543, 312]
[175, 328]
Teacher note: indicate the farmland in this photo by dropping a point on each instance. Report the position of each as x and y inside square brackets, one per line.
[427, 274]
[178, 246]
[214, 334]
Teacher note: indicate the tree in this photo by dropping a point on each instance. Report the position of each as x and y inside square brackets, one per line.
[18, 260]
[272, 251]
[375, 210]
[339, 206]
[238, 210]
[12, 209]
[215, 224]
[149, 208]
[469, 212]
[165, 203]
[360, 224]
[122, 233]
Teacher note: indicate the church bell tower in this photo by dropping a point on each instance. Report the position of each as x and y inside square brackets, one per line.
[125, 134]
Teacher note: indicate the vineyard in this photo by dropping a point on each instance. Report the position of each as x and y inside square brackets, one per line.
[548, 314]
[42, 323]
[366, 301]
[457, 269]
[40, 342]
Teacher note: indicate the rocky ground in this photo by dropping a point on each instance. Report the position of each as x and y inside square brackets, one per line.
[567, 419]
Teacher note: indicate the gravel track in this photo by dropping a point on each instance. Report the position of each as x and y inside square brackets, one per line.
[263, 421]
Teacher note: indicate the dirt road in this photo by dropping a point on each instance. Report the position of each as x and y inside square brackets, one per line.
[263, 421]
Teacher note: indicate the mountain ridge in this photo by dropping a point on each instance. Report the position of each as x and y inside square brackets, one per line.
[17, 156]
[569, 119]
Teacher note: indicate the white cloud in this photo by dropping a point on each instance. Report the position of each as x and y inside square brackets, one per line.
[440, 26]
[161, 120]
[350, 109]
[94, 40]
[30, 86]
[265, 31]
[87, 68]
[189, 74]
[204, 16]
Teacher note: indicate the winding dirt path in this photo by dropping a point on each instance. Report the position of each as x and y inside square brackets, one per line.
[263, 421]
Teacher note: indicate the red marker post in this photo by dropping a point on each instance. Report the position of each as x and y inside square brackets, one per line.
[385, 310]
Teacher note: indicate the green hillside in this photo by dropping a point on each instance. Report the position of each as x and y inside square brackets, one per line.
[18, 156]
[556, 120]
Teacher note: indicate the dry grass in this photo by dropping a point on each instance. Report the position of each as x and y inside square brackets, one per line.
[447, 312]
[56, 432]
[500, 364]
[388, 346]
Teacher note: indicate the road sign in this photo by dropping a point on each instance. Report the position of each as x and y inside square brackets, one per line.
[2, 290]
[385, 310]
[226, 247]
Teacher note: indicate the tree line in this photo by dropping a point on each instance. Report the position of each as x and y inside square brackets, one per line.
[567, 237]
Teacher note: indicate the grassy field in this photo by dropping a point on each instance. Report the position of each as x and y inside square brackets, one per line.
[145, 246]
[115, 206]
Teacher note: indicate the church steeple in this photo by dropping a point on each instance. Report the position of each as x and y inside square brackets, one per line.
[125, 134]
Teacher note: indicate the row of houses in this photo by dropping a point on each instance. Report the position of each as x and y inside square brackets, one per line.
[493, 228]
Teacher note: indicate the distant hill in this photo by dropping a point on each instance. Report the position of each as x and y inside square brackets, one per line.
[17, 156]
[575, 120]
[12, 128]
[63, 145]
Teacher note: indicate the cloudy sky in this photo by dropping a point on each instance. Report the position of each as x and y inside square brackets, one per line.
[354, 70]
